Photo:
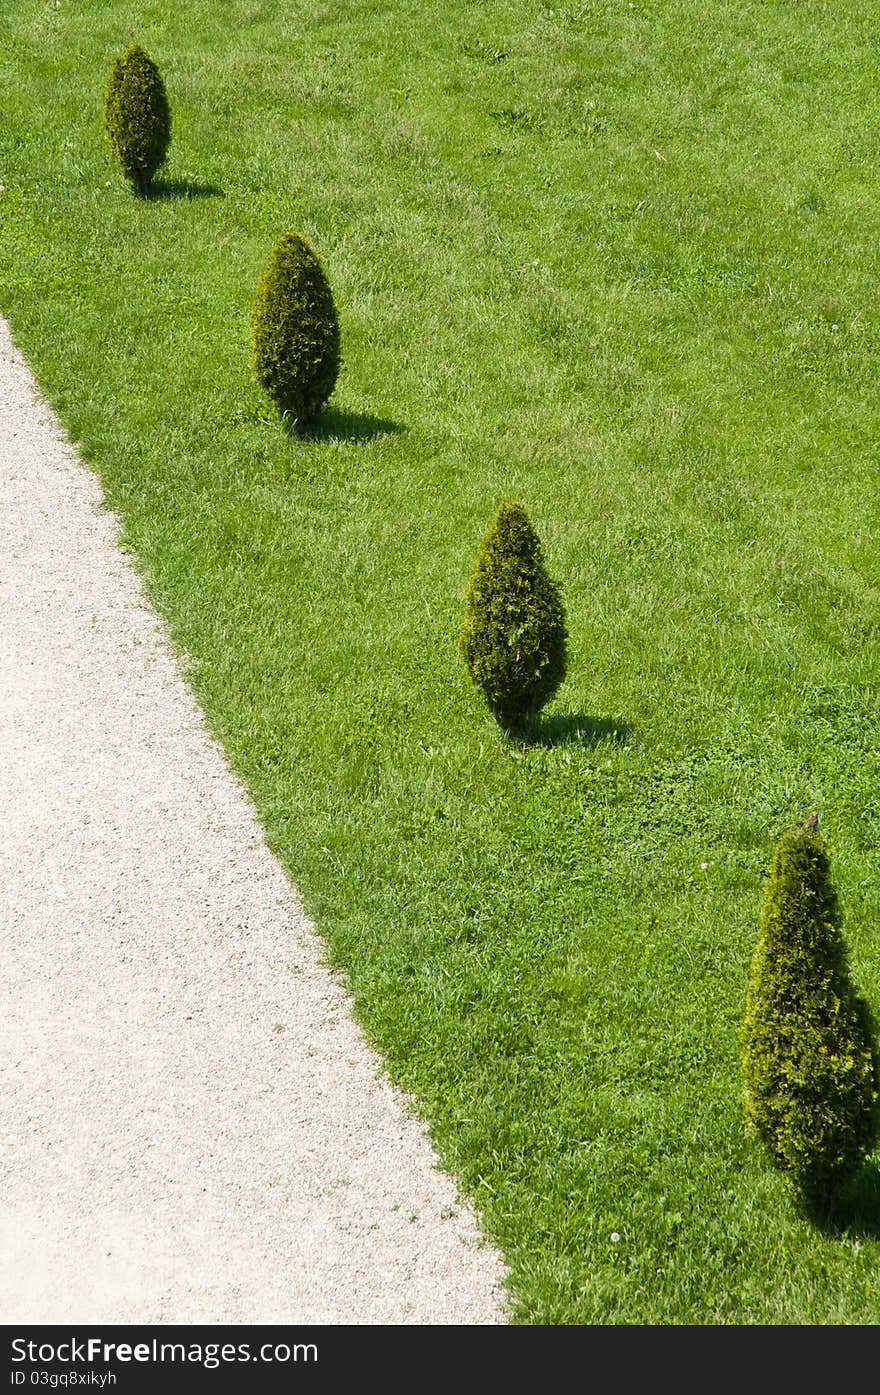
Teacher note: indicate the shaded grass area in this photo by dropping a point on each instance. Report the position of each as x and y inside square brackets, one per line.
[620, 264]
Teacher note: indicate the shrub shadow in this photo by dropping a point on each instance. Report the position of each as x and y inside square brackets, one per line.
[577, 729]
[182, 189]
[857, 1213]
[336, 425]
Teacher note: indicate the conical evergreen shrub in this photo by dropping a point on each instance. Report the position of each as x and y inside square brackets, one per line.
[513, 637]
[295, 332]
[808, 1043]
[137, 118]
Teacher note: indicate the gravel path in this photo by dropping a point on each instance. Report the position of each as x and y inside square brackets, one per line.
[192, 1127]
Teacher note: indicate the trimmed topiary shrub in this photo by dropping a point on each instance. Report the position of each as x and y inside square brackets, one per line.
[137, 118]
[809, 1051]
[295, 332]
[513, 638]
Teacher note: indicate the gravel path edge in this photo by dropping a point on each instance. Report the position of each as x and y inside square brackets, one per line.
[194, 1128]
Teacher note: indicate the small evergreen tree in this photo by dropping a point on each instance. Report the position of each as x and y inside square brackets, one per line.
[137, 118]
[513, 638]
[809, 1052]
[295, 332]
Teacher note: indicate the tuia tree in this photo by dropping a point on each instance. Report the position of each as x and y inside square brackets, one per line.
[137, 119]
[808, 1043]
[513, 638]
[295, 332]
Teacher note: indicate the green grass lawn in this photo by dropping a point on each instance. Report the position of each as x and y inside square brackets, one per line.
[619, 262]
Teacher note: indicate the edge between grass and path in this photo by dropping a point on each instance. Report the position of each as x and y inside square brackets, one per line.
[195, 1130]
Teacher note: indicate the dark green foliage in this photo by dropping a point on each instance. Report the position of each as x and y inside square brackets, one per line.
[513, 638]
[137, 118]
[809, 1053]
[294, 331]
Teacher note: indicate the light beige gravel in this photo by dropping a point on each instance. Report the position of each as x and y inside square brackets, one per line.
[193, 1128]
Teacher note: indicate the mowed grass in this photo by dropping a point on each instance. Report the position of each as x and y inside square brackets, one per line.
[619, 262]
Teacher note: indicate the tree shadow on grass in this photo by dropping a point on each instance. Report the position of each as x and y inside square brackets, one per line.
[577, 729]
[182, 189]
[857, 1213]
[336, 425]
